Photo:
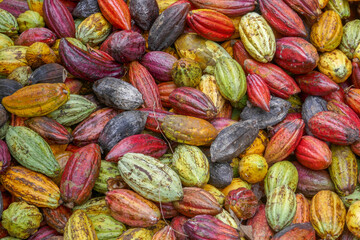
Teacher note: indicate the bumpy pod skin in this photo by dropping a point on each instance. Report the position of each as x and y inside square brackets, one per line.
[350, 40]
[307, 8]
[258, 92]
[327, 214]
[335, 65]
[79, 226]
[258, 37]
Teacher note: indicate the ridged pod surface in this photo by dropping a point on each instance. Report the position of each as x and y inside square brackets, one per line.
[260, 226]
[31, 151]
[280, 174]
[257, 37]
[316, 84]
[31, 187]
[307, 8]
[302, 214]
[353, 219]
[155, 118]
[80, 173]
[131, 209]
[343, 169]
[188, 130]
[350, 40]
[352, 97]
[8, 23]
[335, 65]
[159, 64]
[242, 202]
[11, 58]
[57, 218]
[106, 227]
[37, 100]
[192, 166]
[144, 13]
[79, 226]
[137, 233]
[327, 214]
[280, 208]
[285, 140]
[282, 18]
[116, 12]
[230, 78]
[150, 178]
[258, 92]
[324, 37]
[341, 7]
[231, 8]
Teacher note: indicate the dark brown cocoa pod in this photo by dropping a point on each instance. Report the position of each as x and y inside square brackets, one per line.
[168, 27]
[85, 8]
[48, 73]
[8, 87]
[144, 12]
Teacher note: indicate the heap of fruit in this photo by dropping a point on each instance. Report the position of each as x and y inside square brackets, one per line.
[188, 119]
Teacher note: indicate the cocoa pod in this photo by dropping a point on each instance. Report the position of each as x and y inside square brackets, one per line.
[260, 226]
[302, 214]
[310, 107]
[57, 218]
[4, 116]
[242, 202]
[44, 232]
[307, 8]
[167, 210]
[85, 8]
[352, 97]
[221, 174]
[79, 226]
[159, 64]
[48, 73]
[165, 89]
[258, 92]
[5, 157]
[316, 84]
[299, 230]
[155, 118]
[230, 8]
[34, 35]
[116, 12]
[144, 13]
[335, 65]
[177, 223]
[165, 233]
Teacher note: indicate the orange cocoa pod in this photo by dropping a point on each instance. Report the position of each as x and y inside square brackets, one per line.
[166, 233]
[352, 97]
[165, 89]
[116, 12]
[302, 214]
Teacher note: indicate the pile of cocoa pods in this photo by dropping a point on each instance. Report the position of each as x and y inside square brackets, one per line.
[180, 119]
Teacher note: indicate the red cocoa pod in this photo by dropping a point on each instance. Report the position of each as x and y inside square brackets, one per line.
[231, 8]
[338, 95]
[177, 223]
[260, 227]
[44, 232]
[296, 55]
[139, 143]
[124, 46]
[132, 209]
[140, 78]
[5, 157]
[166, 233]
[167, 210]
[192, 102]
[210, 228]
[49, 129]
[333, 127]
[240, 53]
[155, 118]
[197, 201]
[355, 147]
[116, 12]
[304, 231]
[302, 214]
[33, 35]
[352, 97]
[100, 54]
[88, 131]
[165, 89]
[242, 202]
[74, 85]
[84, 65]
[307, 8]
[316, 84]
[343, 109]
[58, 18]
[159, 64]
[57, 218]
[17, 121]
[80, 174]
[221, 123]
[279, 82]
[313, 153]
[210, 24]
[282, 18]
[355, 76]
[258, 92]
[285, 140]
[289, 117]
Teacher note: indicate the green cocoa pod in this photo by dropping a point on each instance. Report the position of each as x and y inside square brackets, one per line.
[351, 198]
[78, 21]
[150, 178]
[230, 79]
[226, 218]
[296, 104]
[343, 169]
[30, 19]
[108, 170]
[341, 7]
[73, 111]
[186, 73]
[106, 227]
[93, 30]
[257, 37]
[351, 38]
[192, 166]
[240, 104]
[32, 151]
[21, 75]
[279, 174]
[8, 23]
[5, 41]
[21, 219]
[94, 207]
[166, 159]
[280, 208]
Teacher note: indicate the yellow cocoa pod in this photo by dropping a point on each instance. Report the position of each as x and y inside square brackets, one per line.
[322, 3]
[253, 168]
[236, 22]
[225, 217]
[164, 4]
[235, 184]
[136, 233]
[79, 226]
[40, 53]
[258, 146]
[11, 58]
[335, 65]
[326, 34]
[219, 196]
[257, 37]
[353, 219]
[327, 214]
[5, 41]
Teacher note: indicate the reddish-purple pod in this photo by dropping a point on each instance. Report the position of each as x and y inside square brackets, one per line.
[159, 64]
[5, 157]
[258, 92]
[316, 84]
[34, 35]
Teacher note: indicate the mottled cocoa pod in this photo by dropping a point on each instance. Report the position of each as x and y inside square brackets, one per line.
[177, 223]
[57, 218]
[144, 12]
[260, 227]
